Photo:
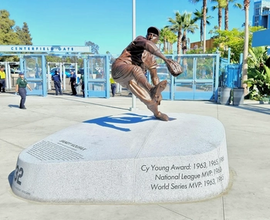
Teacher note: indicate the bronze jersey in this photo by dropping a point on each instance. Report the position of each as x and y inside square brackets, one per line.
[139, 53]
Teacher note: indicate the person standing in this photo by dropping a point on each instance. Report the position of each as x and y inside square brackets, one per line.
[82, 83]
[72, 82]
[2, 79]
[113, 86]
[57, 83]
[21, 88]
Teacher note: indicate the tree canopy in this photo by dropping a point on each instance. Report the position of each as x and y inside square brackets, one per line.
[7, 34]
[233, 39]
[24, 34]
[11, 34]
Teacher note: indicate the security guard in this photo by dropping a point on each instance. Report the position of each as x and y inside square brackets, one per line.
[21, 88]
[57, 82]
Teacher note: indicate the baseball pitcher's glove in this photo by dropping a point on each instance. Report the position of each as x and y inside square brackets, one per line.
[174, 68]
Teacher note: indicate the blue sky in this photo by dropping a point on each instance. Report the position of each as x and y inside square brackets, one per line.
[107, 23]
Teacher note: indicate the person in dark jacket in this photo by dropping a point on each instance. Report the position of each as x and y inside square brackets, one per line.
[72, 82]
[57, 83]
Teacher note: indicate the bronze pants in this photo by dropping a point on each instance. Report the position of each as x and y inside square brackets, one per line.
[133, 78]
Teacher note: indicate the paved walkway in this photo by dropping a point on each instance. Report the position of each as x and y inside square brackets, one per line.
[248, 137]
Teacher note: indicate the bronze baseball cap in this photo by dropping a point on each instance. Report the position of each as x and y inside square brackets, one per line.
[153, 30]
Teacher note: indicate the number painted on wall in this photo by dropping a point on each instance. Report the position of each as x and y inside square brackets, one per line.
[18, 174]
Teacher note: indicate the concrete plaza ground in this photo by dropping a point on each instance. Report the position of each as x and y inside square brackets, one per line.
[248, 137]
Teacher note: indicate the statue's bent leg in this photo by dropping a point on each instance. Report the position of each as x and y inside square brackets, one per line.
[153, 108]
[155, 92]
[141, 80]
[133, 78]
[145, 97]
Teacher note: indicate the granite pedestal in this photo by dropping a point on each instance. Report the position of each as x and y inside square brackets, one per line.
[128, 158]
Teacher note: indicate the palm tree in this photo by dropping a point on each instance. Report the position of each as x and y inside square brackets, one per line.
[172, 38]
[220, 5]
[204, 20]
[188, 26]
[204, 7]
[176, 27]
[204, 24]
[181, 25]
[237, 5]
[199, 17]
[164, 35]
[245, 56]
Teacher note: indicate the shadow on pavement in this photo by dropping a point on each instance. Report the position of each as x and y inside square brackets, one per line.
[13, 106]
[111, 122]
[255, 108]
[10, 177]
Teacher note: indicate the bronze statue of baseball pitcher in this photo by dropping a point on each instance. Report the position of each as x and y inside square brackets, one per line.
[130, 67]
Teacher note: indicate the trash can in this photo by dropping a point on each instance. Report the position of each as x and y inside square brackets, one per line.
[238, 96]
[224, 95]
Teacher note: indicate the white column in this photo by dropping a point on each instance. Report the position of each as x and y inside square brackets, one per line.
[133, 37]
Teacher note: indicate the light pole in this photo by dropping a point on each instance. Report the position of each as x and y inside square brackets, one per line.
[133, 37]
